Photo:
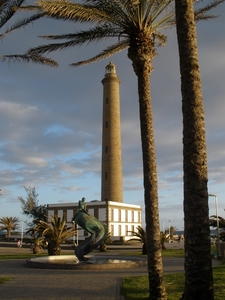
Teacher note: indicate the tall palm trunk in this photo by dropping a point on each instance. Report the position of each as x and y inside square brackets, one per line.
[198, 265]
[141, 52]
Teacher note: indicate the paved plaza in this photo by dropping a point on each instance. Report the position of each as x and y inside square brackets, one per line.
[39, 284]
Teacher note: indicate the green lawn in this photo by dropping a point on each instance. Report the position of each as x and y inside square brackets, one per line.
[173, 253]
[136, 288]
[4, 279]
[20, 256]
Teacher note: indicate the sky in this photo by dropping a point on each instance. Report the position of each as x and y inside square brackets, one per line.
[50, 122]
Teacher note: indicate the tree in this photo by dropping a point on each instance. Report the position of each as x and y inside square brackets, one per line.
[198, 265]
[164, 238]
[8, 9]
[139, 236]
[54, 233]
[30, 206]
[171, 230]
[9, 223]
[108, 240]
[136, 24]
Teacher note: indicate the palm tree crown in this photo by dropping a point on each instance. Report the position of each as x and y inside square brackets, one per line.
[9, 223]
[54, 232]
[124, 20]
[139, 236]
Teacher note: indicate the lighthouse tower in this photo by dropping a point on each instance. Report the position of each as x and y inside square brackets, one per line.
[112, 186]
[119, 217]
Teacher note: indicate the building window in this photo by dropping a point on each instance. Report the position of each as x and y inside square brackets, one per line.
[106, 124]
[106, 100]
[132, 216]
[74, 212]
[106, 175]
[119, 215]
[139, 216]
[126, 215]
[55, 212]
[65, 214]
[106, 149]
[112, 214]
[96, 213]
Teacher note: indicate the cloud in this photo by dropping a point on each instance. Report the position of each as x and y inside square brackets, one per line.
[51, 120]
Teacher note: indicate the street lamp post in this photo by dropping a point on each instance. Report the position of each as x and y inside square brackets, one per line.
[21, 234]
[217, 221]
[169, 230]
[163, 227]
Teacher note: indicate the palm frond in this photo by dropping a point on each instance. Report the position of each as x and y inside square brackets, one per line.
[22, 23]
[213, 221]
[93, 35]
[37, 59]
[7, 10]
[76, 39]
[66, 10]
[115, 48]
[201, 13]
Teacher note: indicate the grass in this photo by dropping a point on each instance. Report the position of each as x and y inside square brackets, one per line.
[4, 279]
[136, 288]
[20, 256]
[165, 253]
[173, 253]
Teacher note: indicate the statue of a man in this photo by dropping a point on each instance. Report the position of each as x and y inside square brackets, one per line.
[82, 205]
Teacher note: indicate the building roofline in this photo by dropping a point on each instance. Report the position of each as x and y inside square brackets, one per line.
[95, 203]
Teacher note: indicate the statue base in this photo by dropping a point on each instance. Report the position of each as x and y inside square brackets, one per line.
[71, 262]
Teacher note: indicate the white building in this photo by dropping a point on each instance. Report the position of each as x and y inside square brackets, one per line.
[120, 218]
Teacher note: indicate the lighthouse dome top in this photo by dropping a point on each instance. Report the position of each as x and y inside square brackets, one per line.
[110, 68]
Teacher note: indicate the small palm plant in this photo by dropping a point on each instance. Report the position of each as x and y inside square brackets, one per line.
[214, 221]
[108, 240]
[8, 224]
[36, 240]
[164, 238]
[55, 232]
[139, 236]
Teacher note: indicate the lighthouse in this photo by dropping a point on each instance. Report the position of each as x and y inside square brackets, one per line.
[112, 183]
[119, 217]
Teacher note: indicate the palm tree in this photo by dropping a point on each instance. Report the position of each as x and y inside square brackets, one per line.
[108, 240]
[136, 25]
[8, 8]
[9, 223]
[54, 233]
[164, 238]
[139, 236]
[171, 231]
[198, 265]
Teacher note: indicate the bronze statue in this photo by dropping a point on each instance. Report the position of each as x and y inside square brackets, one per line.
[95, 227]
